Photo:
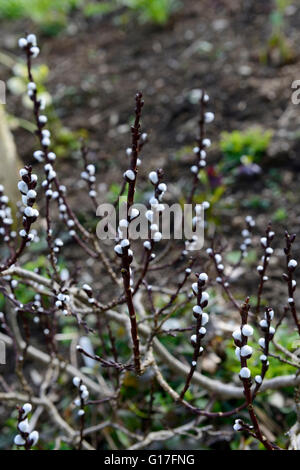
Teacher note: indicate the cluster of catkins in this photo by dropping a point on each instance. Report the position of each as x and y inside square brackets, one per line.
[30, 41]
[204, 143]
[201, 316]
[244, 352]
[152, 216]
[6, 219]
[57, 192]
[26, 438]
[83, 395]
[27, 187]
[88, 175]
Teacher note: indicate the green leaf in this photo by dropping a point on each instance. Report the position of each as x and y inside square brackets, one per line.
[233, 257]
[98, 9]
[280, 215]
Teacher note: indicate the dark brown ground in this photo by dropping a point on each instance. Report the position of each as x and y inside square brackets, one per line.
[96, 68]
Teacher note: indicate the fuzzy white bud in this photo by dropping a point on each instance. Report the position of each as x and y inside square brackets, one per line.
[124, 243]
[123, 223]
[218, 258]
[149, 215]
[22, 43]
[118, 249]
[246, 351]
[130, 175]
[134, 213]
[247, 330]
[34, 437]
[31, 194]
[34, 51]
[195, 287]
[206, 143]
[245, 373]
[31, 38]
[43, 119]
[22, 186]
[157, 237]
[237, 427]
[153, 177]
[263, 323]
[76, 381]
[18, 440]
[204, 319]
[23, 426]
[27, 407]
[292, 264]
[238, 353]
[209, 117]
[147, 245]
[197, 309]
[162, 187]
[203, 277]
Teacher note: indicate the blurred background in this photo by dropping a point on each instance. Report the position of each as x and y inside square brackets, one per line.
[96, 54]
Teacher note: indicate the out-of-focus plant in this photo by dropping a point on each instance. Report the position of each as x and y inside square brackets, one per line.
[278, 50]
[91, 9]
[243, 151]
[256, 203]
[280, 215]
[154, 11]
[50, 15]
